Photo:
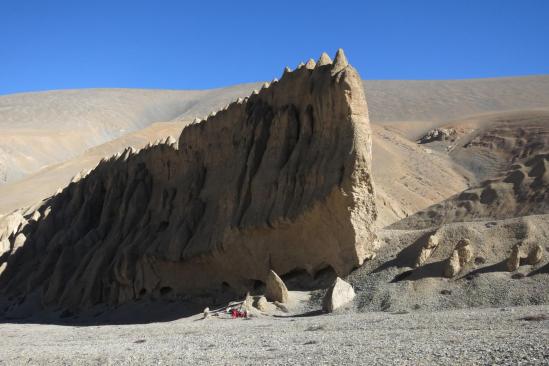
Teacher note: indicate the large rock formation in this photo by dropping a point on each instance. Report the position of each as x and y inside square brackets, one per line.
[280, 180]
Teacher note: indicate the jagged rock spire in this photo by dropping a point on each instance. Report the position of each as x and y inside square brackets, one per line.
[340, 61]
[324, 60]
[310, 64]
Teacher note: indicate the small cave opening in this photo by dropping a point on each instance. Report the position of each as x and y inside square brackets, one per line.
[166, 290]
[300, 280]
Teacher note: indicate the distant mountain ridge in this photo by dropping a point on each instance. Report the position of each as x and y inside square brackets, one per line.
[43, 128]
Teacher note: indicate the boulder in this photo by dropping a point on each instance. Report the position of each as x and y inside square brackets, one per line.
[262, 304]
[513, 262]
[452, 265]
[535, 255]
[427, 250]
[275, 288]
[340, 294]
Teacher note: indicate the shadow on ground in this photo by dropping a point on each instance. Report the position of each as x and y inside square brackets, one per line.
[142, 312]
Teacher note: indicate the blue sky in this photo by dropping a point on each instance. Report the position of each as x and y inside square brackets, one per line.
[49, 44]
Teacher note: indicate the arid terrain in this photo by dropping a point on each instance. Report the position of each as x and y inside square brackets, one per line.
[454, 267]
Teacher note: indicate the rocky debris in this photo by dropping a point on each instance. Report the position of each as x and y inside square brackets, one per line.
[513, 262]
[281, 306]
[452, 265]
[232, 200]
[248, 303]
[262, 304]
[535, 255]
[438, 134]
[340, 294]
[465, 251]
[275, 288]
[427, 250]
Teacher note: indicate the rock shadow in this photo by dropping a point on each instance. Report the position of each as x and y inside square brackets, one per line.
[407, 256]
[143, 312]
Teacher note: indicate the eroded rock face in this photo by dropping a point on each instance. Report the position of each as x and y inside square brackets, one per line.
[280, 180]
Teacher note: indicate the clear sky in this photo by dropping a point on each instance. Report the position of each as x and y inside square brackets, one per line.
[54, 44]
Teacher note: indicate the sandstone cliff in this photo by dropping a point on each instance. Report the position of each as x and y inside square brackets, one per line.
[280, 180]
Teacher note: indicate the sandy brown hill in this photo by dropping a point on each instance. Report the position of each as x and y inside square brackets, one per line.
[39, 129]
[522, 191]
[36, 187]
[281, 181]
[444, 100]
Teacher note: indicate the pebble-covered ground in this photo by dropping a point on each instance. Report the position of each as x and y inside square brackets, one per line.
[494, 336]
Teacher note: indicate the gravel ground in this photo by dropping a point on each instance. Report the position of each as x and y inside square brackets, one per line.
[466, 336]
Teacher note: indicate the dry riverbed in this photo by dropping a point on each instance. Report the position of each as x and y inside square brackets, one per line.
[517, 335]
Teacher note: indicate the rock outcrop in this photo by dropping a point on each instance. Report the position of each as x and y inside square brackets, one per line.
[427, 250]
[280, 180]
[465, 251]
[438, 134]
[513, 262]
[452, 265]
[340, 294]
[535, 255]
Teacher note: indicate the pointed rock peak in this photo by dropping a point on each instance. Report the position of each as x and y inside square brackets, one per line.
[324, 60]
[76, 178]
[301, 64]
[212, 114]
[255, 92]
[287, 69]
[265, 85]
[239, 101]
[340, 61]
[275, 80]
[196, 120]
[170, 140]
[310, 64]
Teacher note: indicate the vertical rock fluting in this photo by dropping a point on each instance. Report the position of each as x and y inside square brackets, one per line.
[278, 181]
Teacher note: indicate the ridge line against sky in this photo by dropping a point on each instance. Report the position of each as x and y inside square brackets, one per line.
[63, 44]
